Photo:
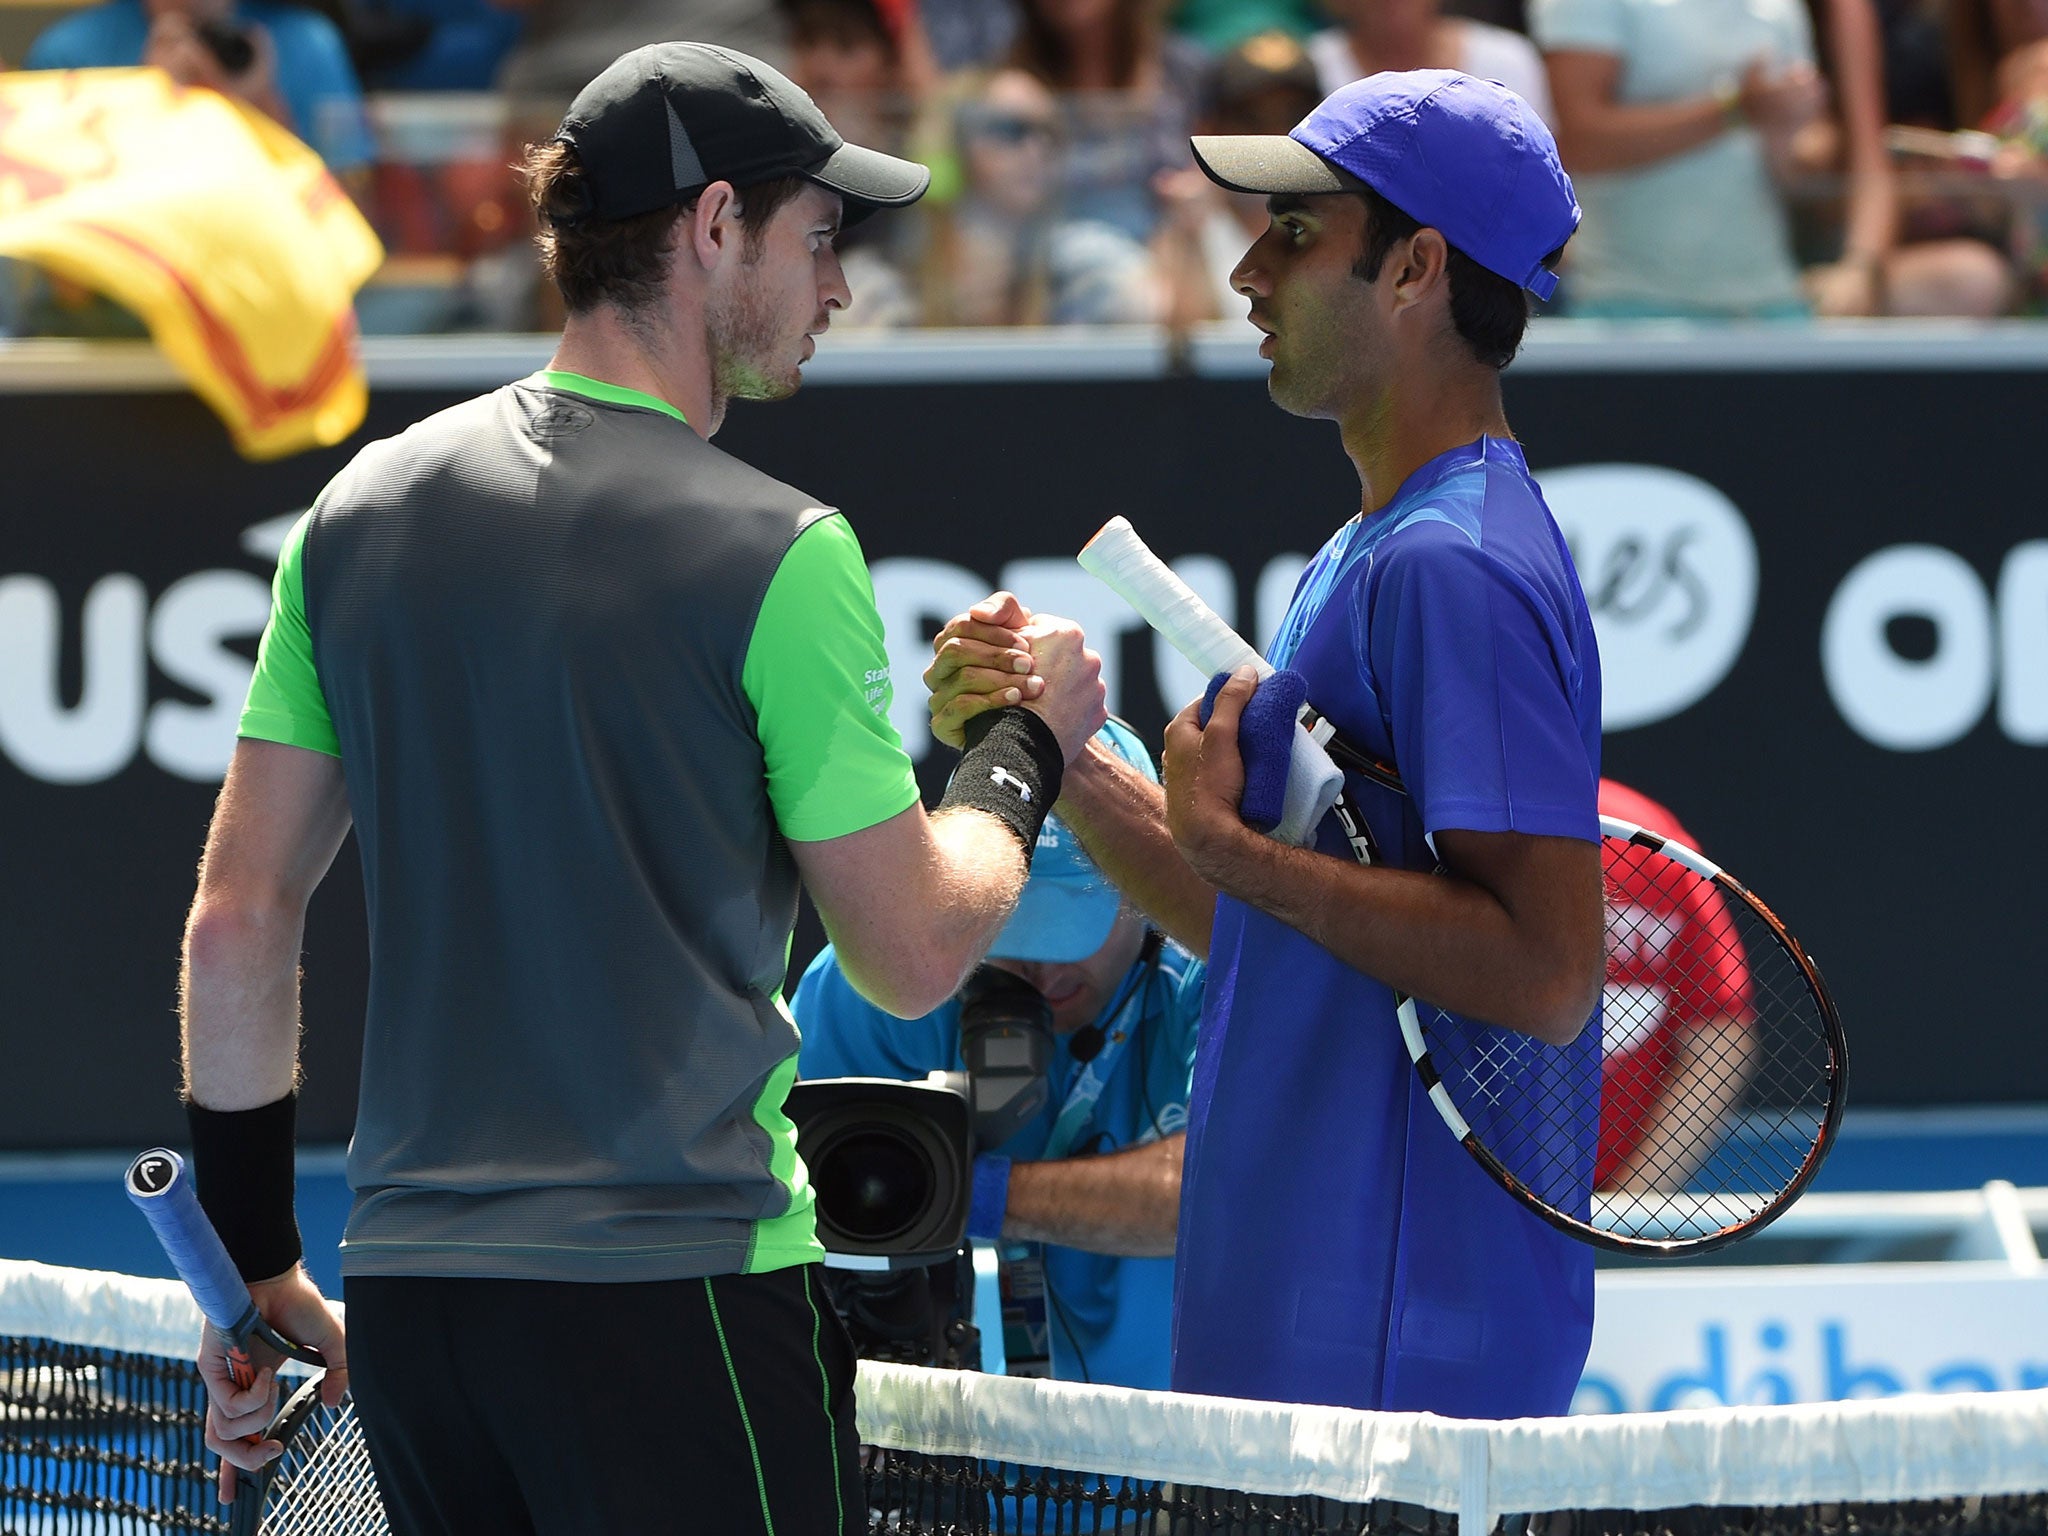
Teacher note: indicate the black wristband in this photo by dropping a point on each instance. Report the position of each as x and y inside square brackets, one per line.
[242, 1171]
[1011, 769]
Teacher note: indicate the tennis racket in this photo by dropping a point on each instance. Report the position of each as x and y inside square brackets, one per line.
[1713, 1090]
[322, 1484]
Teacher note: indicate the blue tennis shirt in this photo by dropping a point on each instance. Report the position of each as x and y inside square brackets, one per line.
[1111, 1322]
[1337, 1244]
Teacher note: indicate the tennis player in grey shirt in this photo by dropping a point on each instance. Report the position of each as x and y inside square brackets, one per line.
[596, 697]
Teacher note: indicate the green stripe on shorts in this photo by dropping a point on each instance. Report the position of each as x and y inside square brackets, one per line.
[747, 1424]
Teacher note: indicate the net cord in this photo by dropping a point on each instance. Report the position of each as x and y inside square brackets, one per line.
[128, 1313]
[1888, 1450]
[1879, 1451]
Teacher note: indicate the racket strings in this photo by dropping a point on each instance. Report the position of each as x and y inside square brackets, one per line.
[1702, 1096]
[323, 1484]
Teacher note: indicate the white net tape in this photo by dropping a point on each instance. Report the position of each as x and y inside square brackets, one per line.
[1889, 1450]
[1883, 1451]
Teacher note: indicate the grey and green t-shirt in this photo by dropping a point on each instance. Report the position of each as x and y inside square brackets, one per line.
[585, 674]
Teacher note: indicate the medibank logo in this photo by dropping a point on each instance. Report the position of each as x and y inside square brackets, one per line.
[1789, 1361]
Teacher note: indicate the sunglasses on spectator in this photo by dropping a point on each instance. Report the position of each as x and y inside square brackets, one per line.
[1006, 128]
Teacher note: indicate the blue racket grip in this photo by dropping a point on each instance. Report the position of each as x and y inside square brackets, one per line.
[161, 1186]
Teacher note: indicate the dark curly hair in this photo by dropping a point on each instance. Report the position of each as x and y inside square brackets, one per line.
[619, 262]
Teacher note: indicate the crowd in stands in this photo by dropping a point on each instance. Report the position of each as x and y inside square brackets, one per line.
[1736, 159]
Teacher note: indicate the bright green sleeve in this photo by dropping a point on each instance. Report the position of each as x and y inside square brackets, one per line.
[285, 703]
[817, 674]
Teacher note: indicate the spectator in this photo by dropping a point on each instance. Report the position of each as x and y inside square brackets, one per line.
[1128, 91]
[1373, 35]
[567, 42]
[1670, 119]
[426, 45]
[1678, 122]
[865, 62]
[1984, 37]
[969, 34]
[867, 65]
[1512, 14]
[285, 61]
[1220, 25]
[1978, 65]
[1004, 253]
[2019, 120]
[1678, 1019]
[1880, 271]
[1916, 68]
[1264, 85]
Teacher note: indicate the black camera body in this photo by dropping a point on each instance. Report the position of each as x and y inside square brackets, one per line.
[892, 1165]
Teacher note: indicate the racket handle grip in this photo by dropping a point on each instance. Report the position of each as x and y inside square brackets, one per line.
[161, 1186]
[1118, 558]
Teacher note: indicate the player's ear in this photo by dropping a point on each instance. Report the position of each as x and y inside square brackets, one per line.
[1421, 266]
[712, 226]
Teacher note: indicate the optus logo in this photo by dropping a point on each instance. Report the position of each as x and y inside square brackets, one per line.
[1915, 646]
[186, 631]
[1670, 572]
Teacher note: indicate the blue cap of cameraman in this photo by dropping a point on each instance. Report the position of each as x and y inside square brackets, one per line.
[1068, 905]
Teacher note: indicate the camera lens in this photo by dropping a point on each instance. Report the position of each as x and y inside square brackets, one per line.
[890, 1163]
[873, 1183]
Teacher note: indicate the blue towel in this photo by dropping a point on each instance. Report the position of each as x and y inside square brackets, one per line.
[1265, 739]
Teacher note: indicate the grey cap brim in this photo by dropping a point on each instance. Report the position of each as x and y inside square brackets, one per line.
[1266, 163]
[869, 179]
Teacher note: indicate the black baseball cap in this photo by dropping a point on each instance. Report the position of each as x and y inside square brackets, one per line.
[668, 119]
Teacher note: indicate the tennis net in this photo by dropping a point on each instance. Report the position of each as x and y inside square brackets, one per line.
[101, 1432]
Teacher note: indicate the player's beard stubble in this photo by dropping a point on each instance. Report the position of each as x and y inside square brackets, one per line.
[1327, 352]
[757, 343]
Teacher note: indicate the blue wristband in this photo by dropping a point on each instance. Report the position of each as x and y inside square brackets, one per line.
[991, 1197]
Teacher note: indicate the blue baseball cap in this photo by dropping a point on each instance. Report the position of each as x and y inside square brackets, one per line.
[1068, 905]
[1465, 156]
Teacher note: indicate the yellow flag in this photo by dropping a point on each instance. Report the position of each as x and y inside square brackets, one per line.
[222, 231]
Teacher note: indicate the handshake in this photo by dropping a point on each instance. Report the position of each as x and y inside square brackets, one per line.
[1248, 769]
[999, 653]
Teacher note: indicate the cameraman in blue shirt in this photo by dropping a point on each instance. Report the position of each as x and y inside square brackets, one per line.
[1084, 1199]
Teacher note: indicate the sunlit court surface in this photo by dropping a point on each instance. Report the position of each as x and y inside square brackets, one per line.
[1778, 592]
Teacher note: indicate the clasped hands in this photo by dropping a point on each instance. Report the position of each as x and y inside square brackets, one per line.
[1000, 653]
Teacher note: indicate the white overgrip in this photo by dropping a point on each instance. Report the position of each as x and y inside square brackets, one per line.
[1118, 558]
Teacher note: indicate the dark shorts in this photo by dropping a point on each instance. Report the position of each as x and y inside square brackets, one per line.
[507, 1407]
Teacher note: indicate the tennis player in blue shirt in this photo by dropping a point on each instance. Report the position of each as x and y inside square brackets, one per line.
[1336, 1244]
[1086, 1196]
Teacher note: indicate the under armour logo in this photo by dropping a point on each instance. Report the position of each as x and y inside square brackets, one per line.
[1008, 779]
